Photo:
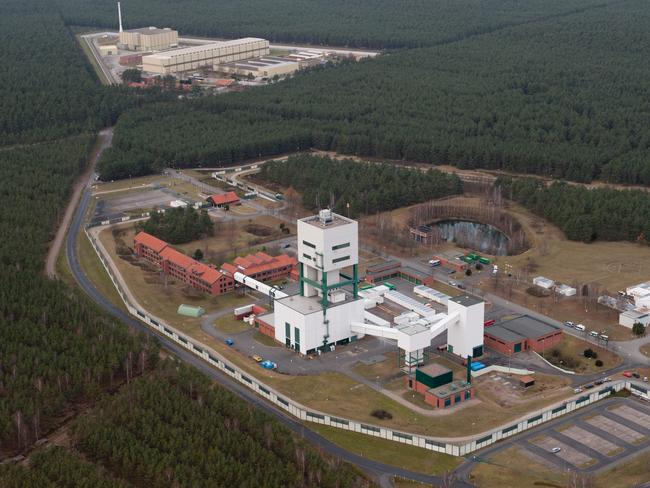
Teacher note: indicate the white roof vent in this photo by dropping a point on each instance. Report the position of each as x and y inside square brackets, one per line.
[325, 216]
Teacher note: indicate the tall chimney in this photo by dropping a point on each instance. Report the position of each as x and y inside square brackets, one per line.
[119, 14]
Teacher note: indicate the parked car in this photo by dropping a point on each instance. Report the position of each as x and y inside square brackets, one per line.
[628, 374]
[555, 450]
[257, 359]
[593, 333]
[645, 379]
[598, 382]
[568, 323]
[577, 390]
[636, 375]
[230, 342]
[580, 327]
[589, 386]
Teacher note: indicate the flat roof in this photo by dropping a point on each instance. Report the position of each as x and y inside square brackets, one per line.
[456, 386]
[150, 30]
[520, 328]
[466, 300]
[411, 329]
[336, 221]
[203, 47]
[434, 369]
[309, 305]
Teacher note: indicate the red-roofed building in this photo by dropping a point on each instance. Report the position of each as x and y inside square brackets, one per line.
[206, 278]
[149, 247]
[176, 264]
[261, 266]
[224, 199]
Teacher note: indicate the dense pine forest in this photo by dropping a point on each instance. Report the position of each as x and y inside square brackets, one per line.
[178, 225]
[564, 97]
[376, 23]
[173, 427]
[48, 88]
[368, 188]
[585, 214]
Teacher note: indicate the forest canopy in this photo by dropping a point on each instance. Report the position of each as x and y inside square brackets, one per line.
[367, 187]
[564, 98]
[364, 23]
[178, 225]
[585, 214]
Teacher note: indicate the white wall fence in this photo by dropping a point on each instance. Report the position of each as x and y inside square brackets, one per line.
[304, 413]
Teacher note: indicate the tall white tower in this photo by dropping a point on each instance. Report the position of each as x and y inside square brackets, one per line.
[327, 243]
[466, 338]
[119, 14]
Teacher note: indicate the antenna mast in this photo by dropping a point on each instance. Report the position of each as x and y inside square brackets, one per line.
[119, 14]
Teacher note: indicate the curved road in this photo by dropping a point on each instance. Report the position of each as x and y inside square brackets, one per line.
[382, 471]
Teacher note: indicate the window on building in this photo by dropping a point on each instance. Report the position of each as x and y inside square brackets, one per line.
[309, 244]
[296, 337]
[457, 399]
[447, 402]
[287, 331]
[338, 260]
[468, 395]
[340, 246]
[305, 255]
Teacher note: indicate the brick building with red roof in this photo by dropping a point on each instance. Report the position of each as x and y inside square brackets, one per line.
[229, 198]
[207, 278]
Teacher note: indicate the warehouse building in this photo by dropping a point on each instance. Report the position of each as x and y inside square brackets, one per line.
[206, 55]
[267, 67]
[523, 333]
[148, 39]
[387, 270]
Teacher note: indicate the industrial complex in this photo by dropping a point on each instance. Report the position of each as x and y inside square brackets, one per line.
[210, 55]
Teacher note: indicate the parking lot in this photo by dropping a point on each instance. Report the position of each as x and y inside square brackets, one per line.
[591, 439]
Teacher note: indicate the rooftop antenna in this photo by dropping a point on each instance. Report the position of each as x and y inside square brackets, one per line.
[119, 14]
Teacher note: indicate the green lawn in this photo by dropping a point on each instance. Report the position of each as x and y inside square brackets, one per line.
[230, 325]
[389, 452]
[265, 340]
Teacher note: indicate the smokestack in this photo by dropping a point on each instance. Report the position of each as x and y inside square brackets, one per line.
[119, 14]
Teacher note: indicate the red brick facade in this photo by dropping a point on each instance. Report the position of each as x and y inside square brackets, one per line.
[208, 278]
[538, 344]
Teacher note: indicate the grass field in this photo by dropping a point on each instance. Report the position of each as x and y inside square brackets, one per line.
[265, 340]
[625, 475]
[95, 271]
[572, 347]
[645, 349]
[230, 325]
[389, 452]
[513, 468]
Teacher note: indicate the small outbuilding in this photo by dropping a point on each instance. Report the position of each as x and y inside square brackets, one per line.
[190, 311]
[229, 198]
[527, 381]
[542, 282]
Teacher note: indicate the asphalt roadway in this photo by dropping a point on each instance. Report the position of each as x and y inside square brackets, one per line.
[382, 472]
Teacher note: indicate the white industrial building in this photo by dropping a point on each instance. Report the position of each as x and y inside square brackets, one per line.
[330, 310]
[145, 39]
[206, 55]
[266, 67]
[640, 294]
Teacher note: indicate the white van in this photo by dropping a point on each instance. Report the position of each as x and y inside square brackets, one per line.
[580, 327]
[604, 337]
[593, 333]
